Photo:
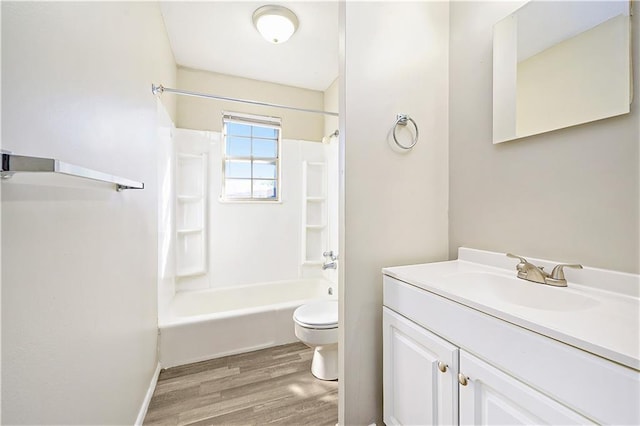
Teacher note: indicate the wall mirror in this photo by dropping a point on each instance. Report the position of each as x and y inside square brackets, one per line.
[558, 64]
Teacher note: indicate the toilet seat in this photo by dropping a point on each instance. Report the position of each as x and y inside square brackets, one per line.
[318, 315]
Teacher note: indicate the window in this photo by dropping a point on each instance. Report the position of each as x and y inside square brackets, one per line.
[251, 160]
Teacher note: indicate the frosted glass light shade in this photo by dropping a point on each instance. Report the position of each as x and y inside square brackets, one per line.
[275, 23]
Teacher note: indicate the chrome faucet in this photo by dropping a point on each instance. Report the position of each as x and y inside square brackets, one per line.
[530, 272]
[332, 264]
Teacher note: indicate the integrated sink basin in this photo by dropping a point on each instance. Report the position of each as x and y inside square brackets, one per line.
[598, 311]
[509, 289]
[487, 319]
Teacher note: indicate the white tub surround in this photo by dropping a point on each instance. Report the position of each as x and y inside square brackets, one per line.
[207, 324]
[212, 253]
[532, 352]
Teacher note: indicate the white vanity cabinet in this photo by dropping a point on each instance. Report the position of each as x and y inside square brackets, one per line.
[488, 396]
[495, 371]
[422, 385]
[420, 374]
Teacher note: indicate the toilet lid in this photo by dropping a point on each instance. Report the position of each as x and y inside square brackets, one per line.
[317, 314]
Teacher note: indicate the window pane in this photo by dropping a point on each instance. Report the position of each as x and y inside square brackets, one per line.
[265, 148]
[238, 147]
[237, 188]
[264, 170]
[264, 189]
[237, 169]
[251, 161]
[237, 129]
[265, 132]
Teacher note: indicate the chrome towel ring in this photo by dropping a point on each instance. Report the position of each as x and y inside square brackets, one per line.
[401, 120]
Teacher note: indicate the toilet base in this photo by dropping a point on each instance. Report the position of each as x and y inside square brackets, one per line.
[324, 364]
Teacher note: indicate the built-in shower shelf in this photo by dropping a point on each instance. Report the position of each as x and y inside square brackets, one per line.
[193, 273]
[189, 198]
[191, 221]
[184, 156]
[318, 227]
[189, 230]
[314, 212]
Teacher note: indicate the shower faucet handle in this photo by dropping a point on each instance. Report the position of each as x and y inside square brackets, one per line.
[330, 255]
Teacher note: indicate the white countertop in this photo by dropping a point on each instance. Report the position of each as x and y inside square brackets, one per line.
[606, 324]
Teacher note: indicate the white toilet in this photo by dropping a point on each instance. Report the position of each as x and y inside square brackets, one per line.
[316, 325]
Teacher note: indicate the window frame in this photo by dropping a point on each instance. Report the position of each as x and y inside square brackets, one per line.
[258, 121]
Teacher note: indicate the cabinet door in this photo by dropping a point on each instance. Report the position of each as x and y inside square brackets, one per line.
[416, 391]
[492, 397]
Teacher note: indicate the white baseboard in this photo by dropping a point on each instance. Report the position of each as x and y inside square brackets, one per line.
[147, 398]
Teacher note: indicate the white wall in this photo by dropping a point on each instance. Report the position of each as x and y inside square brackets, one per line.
[331, 124]
[79, 316]
[570, 195]
[331, 103]
[394, 59]
[1, 274]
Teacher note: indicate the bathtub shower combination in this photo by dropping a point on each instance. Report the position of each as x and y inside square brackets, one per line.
[205, 311]
[206, 324]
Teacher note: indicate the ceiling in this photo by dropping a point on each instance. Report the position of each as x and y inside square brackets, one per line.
[219, 36]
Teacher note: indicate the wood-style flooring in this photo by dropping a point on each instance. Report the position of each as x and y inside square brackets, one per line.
[270, 386]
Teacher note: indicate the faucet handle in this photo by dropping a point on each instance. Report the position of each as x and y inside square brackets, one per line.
[330, 254]
[515, 256]
[558, 273]
[523, 261]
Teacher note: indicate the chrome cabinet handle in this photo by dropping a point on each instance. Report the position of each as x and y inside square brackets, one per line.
[462, 379]
[442, 366]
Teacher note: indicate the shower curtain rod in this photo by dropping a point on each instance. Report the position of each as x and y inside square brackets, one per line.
[159, 89]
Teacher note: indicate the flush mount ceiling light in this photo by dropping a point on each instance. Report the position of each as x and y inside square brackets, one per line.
[275, 23]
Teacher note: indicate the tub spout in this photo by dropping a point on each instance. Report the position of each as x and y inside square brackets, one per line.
[329, 265]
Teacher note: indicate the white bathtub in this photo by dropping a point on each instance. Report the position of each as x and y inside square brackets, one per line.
[206, 324]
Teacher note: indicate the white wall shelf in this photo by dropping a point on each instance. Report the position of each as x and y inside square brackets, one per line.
[12, 164]
[316, 226]
[314, 212]
[191, 184]
[189, 198]
[189, 230]
[194, 273]
[185, 156]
